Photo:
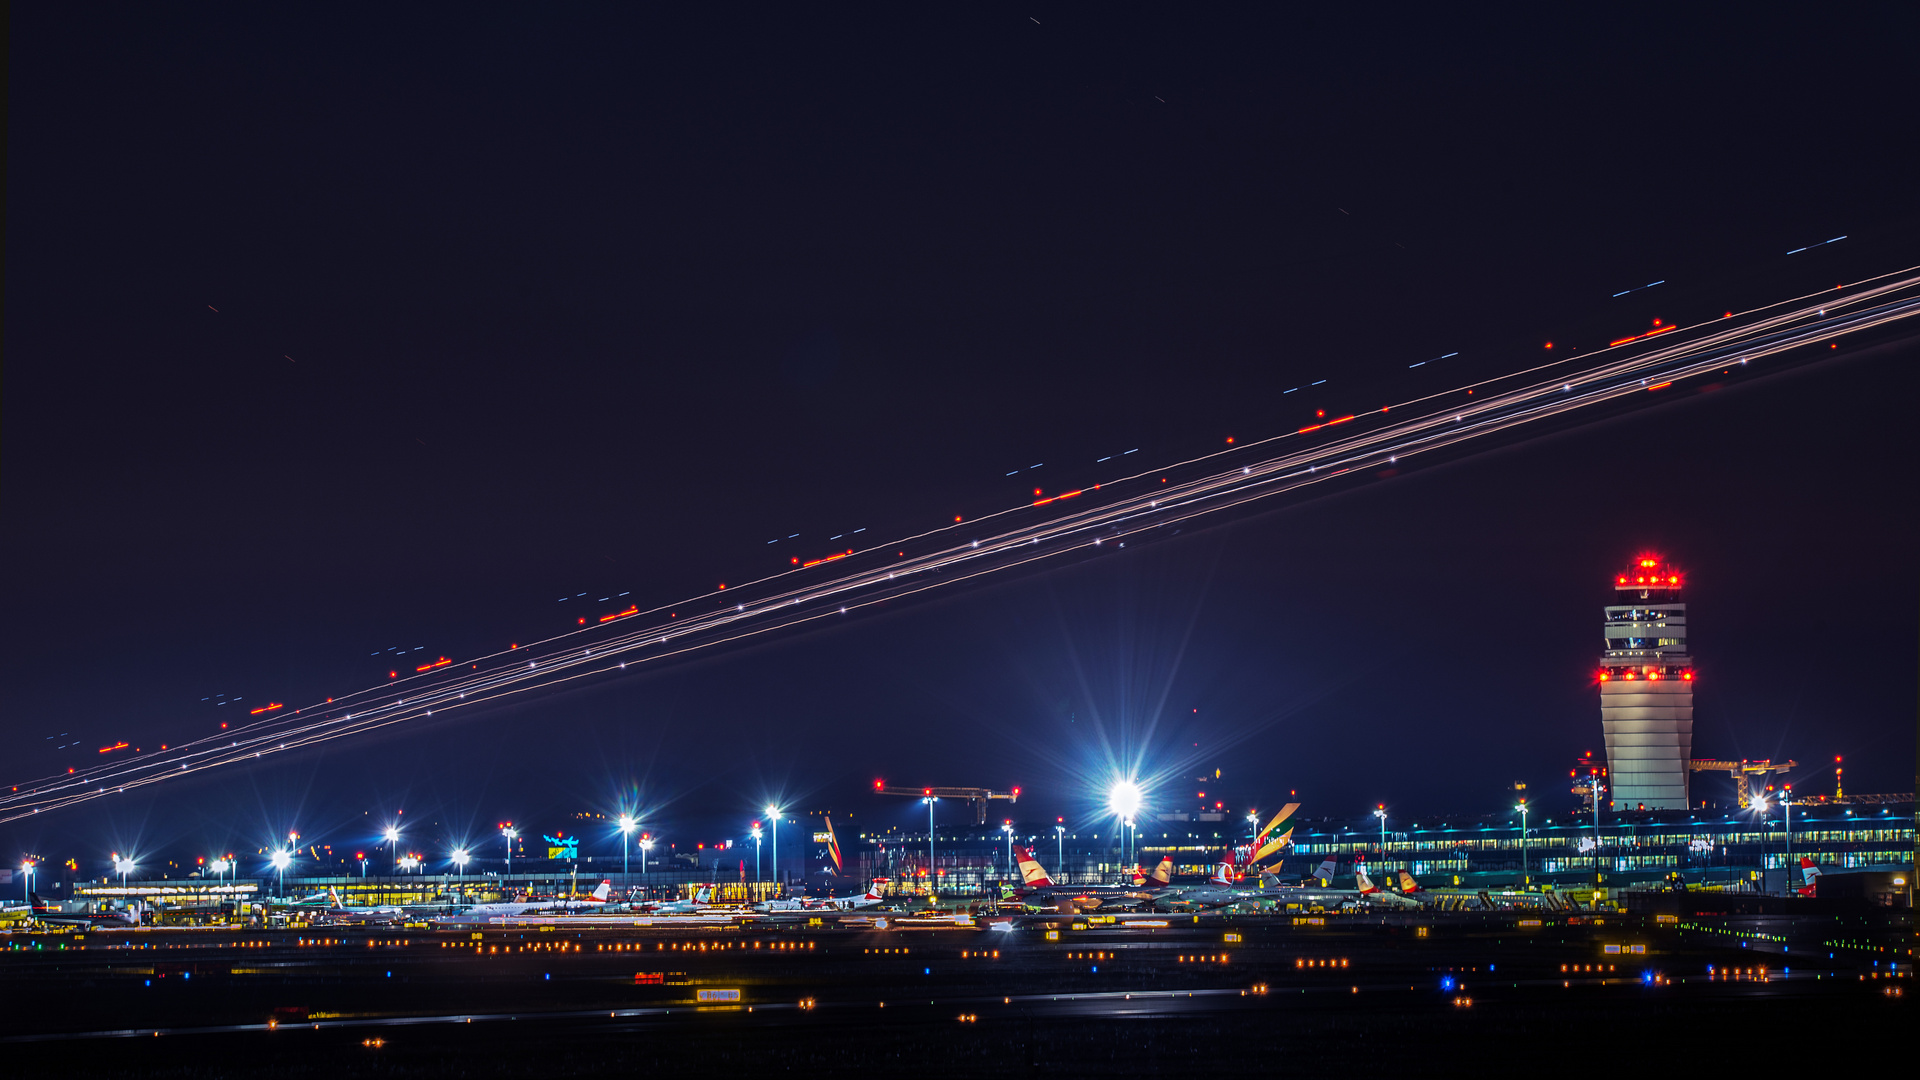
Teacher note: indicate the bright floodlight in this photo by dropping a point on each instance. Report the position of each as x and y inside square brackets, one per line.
[460, 857]
[1124, 798]
[772, 809]
[393, 835]
[756, 835]
[626, 823]
[647, 842]
[123, 866]
[281, 859]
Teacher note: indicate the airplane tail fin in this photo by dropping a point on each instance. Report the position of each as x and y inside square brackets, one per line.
[33, 899]
[1362, 881]
[1223, 874]
[1327, 868]
[1032, 874]
[603, 890]
[1809, 875]
[703, 895]
[1162, 875]
[1407, 884]
[334, 897]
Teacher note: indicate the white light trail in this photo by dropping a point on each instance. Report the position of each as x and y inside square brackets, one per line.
[1112, 510]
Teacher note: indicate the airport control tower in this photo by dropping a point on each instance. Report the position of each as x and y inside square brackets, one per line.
[1646, 688]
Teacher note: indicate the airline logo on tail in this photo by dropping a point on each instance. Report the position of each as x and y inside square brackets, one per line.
[1327, 869]
[1362, 882]
[1408, 885]
[1810, 875]
[1032, 875]
[601, 893]
[1162, 875]
[1261, 846]
[833, 849]
[1223, 874]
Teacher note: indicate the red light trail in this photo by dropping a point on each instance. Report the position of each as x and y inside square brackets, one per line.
[1131, 506]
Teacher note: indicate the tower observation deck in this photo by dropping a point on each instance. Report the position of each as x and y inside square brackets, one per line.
[1646, 688]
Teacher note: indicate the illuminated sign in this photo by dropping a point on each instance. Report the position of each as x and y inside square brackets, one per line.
[562, 847]
[719, 995]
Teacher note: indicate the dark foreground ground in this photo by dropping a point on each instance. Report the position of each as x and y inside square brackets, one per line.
[1425, 994]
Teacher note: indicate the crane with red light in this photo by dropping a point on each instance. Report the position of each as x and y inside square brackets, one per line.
[980, 798]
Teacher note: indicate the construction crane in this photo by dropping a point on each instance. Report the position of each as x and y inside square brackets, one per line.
[1749, 777]
[980, 797]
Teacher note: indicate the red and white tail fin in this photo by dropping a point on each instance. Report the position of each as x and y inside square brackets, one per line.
[1032, 874]
[703, 895]
[1327, 868]
[604, 890]
[1362, 882]
[873, 890]
[1223, 874]
[1809, 875]
[1407, 884]
[1162, 875]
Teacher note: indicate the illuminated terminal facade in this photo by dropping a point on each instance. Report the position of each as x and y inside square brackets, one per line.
[1646, 688]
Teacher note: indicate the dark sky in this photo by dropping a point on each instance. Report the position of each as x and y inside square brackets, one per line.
[329, 332]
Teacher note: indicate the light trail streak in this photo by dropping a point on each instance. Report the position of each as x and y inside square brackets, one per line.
[1025, 534]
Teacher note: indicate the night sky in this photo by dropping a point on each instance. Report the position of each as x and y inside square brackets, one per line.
[330, 332]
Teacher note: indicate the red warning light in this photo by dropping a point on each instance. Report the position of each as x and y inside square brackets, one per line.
[1604, 676]
[1686, 676]
[393, 674]
[1549, 344]
[1229, 440]
[723, 586]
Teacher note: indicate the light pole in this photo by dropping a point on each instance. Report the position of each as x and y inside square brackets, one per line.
[626, 824]
[123, 867]
[410, 862]
[773, 822]
[362, 856]
[1123, 798]
[646, 845]
[1060, 850]
[929, 800]
[1008, 829]
[756, 851]
[1524, 879]
[26, 873]
[507, 830]
[460, 857]
[1786, 804]
[281, 857]
[1131, 857]
[1380, 812]
[220, 867]
[393, 846]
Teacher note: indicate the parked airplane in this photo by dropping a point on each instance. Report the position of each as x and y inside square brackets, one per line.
[548, 906]
[106, 915]
[1037, 889]
[339, 911]
[853, 902]
[702, 900]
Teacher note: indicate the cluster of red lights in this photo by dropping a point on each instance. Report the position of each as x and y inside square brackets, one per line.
[1651, 675]
[1648, 571]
